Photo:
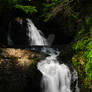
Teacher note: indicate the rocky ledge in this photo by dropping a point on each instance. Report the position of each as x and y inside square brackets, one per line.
[18, 71]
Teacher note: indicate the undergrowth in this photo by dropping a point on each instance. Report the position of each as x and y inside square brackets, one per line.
[82, 58]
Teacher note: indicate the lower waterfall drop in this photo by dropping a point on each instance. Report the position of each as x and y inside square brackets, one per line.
[56, 77]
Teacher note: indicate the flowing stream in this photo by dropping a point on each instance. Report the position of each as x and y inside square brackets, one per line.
[56, 77]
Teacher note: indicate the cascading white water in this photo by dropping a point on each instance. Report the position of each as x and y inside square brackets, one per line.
[35, 35]
[32, 34]
[56, 77]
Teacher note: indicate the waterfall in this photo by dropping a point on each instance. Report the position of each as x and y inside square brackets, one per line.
[28, 35]
[56, 77]
[35, 36]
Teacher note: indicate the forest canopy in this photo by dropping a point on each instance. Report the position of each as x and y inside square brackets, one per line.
[48, 8]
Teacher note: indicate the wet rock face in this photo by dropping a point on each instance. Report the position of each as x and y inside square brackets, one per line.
[18, 31]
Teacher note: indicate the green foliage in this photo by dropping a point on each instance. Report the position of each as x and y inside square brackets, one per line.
[21, 4]
[75, 15]
[44, 8]
[47, 8]
[89, 20]
[83, 42]
[27, 9]
[49, 4]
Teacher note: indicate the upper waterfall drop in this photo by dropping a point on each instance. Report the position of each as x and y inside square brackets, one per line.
[35, 36]
[23, 32]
